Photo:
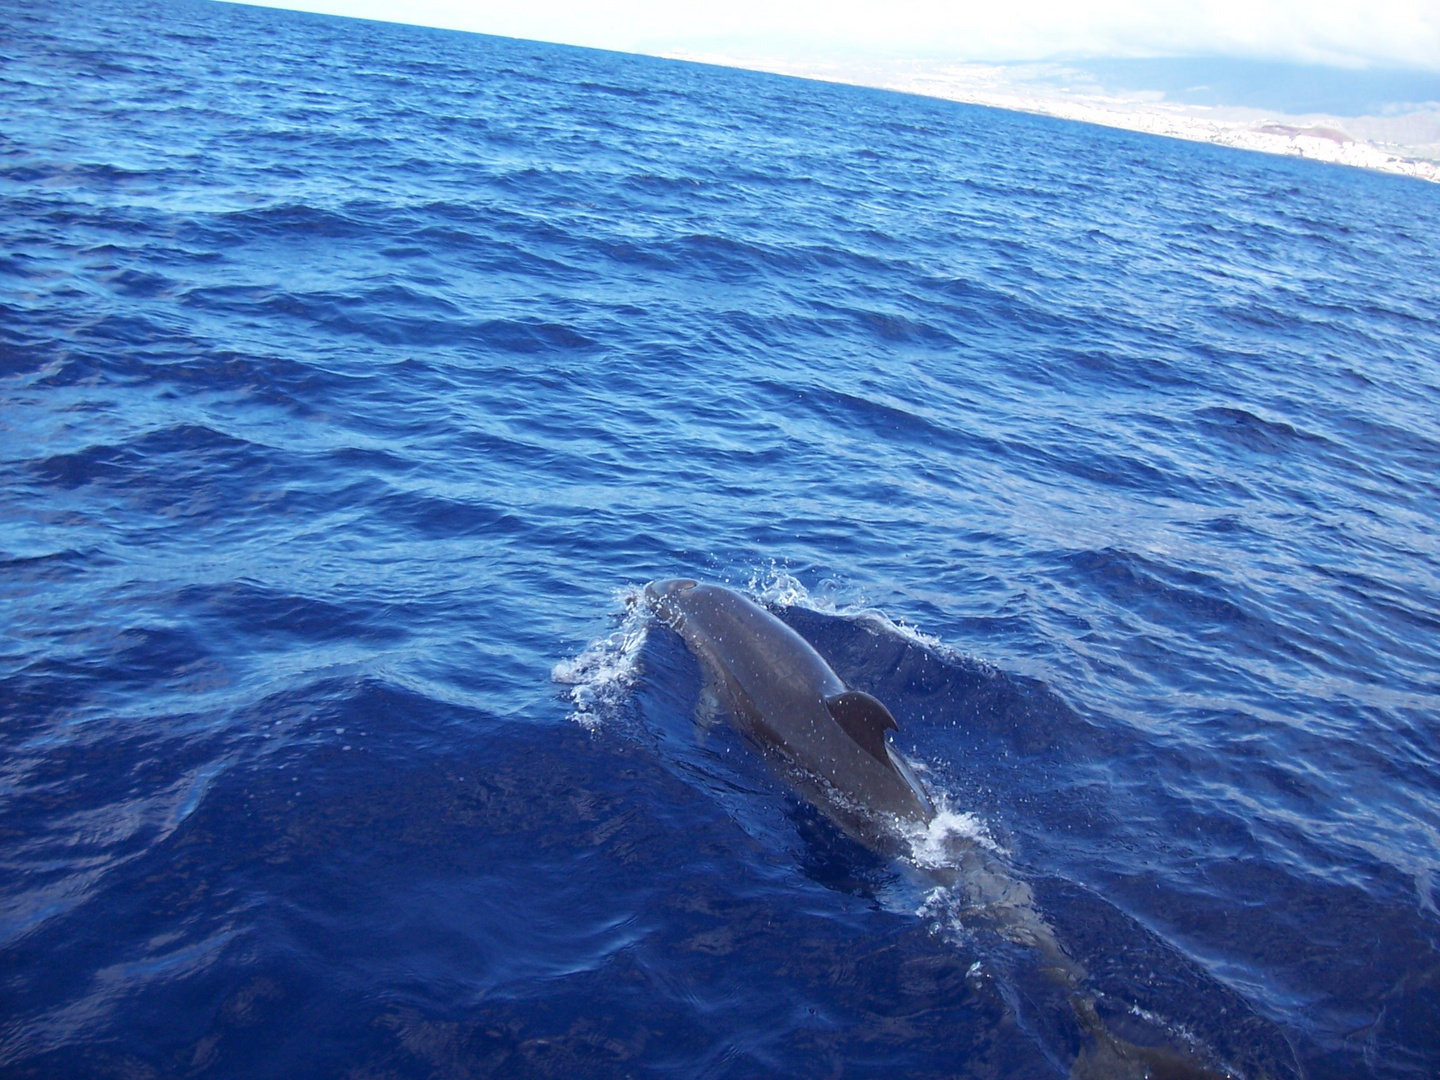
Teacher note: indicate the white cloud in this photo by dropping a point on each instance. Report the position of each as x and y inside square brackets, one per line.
[1349, 32]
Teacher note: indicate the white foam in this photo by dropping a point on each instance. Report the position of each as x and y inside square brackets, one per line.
[601, 676]
[985, 891]
[783, 590]
[944, 839]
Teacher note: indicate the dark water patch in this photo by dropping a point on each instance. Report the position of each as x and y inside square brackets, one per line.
[263, 615]
[293, 221]
[1183, 598]
[669, 936]
[21, 353]
[139, 284]
[275, 380]
[142, 331]
[52, 565]
[447, 518]
[114, 465]
[1413, 605]
[1251, 432]
[1141, 983]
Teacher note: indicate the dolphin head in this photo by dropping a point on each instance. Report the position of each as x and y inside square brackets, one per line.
[661, 594]
[660, 590]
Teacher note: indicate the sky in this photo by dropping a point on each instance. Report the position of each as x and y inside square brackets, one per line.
[1347, 33]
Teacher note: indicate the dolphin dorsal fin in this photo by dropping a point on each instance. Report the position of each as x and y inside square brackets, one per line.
[864, 719]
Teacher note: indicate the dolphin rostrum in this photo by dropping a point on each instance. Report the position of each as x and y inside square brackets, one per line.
[831, 741]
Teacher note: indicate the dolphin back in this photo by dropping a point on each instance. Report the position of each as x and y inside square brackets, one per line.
[782, 694]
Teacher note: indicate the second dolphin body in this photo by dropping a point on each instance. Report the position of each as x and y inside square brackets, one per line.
[831, 741]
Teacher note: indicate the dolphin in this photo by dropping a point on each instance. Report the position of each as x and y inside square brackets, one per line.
[830, 741]
[833, 745]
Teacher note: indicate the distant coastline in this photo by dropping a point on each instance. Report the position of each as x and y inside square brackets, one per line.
[1404, 142]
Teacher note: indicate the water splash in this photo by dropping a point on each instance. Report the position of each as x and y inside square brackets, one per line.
[948, 835]
[778, 588]
[600, 678]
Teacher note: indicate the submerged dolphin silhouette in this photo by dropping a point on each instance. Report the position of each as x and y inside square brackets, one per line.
[781, 693]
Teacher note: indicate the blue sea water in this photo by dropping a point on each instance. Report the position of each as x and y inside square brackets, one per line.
[354, 376]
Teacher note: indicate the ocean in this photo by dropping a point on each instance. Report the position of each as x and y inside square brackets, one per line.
[354, 379]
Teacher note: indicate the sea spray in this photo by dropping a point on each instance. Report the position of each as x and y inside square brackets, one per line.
[601, 675]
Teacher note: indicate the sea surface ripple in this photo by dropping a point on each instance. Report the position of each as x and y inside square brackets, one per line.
[353, 375]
